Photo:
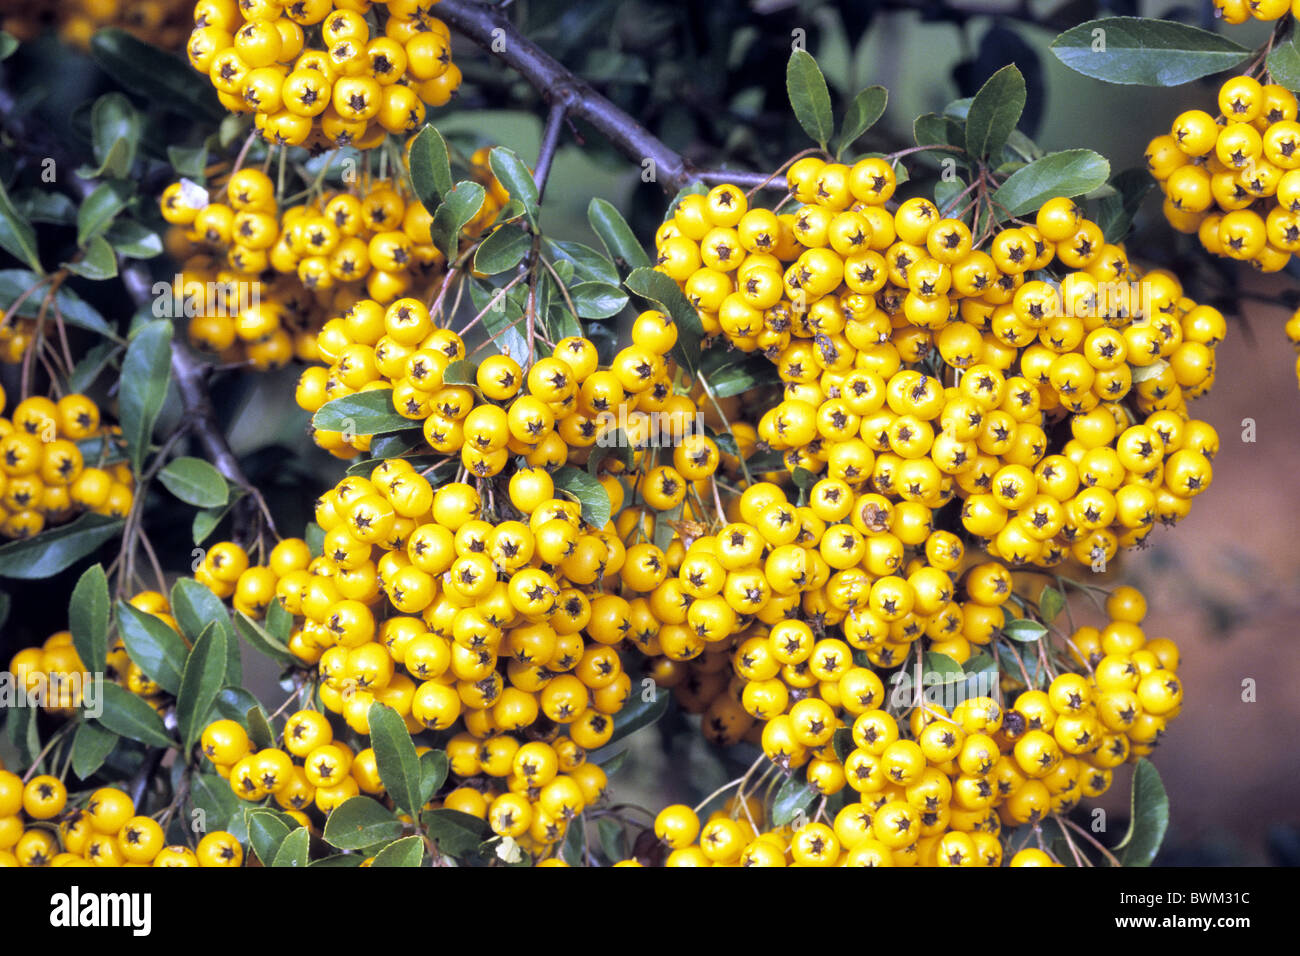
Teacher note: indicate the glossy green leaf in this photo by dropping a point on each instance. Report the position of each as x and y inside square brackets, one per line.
[1146, 52]
[1023, 630]
[88, 617]
[194, 482]
[458, 207]
[293, 849]
[664, 294]
[37, 205]
[115, 127]
[129, 716]
[1148, 816]
[51, 551]
[133, 240]
[361, 822]
[793, 797]
[867, 107]
[146, 373]
[613, 839]
[502, 250]
[17, 237]
[399, 767]
[1115, 212]
[99, 209]
[434, 768]
[616, 235]
[222, 809]
[267, 831]
[587, 491]
[639, 712]
[201, 682]
[430, 167]
[194, 607]
[995, 111]
[161, 78]
[189, 163]
[153, 646]
[1050, 603]
[511, 172]
[937, 669]
[97, 261]
[262, 640]
[73, 309]
[365, 413]
[455, 833]
[809, 96]
[1071, 172]
[91, 745]
[588, 264]
[408, 851]
[259, 728]
[596, 300]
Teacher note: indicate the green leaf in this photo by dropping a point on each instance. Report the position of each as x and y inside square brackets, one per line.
[842, 743]
[458, 207]
[1115, 213]
[146, 373]
[189, 163]
[399, 767]
[115, 133]
[129, 716]
[1024, 630]
[596, 300]
[502, 250]
[664, 294]
[511, 172]
[430, 167]
[88, 614]
[732, 372]
[360, 822]
[793, 798]
[86, 372]
[75, 311]
[574, 848]
[267, 831]
[1050, 603]
[91, 746]
[1284, 64]
[153, 646]
[161, 78]
[434, 768]
[613, 839]
[408, 851]
[616, 235]
[97, 263]
[17, 236]
[639, 712]
[51, 551]
[293, 849]
[455, 833]
[461, 372]
[99, 209]
[1071, 172]
[994, 112]
[279, 622]
[365, 413]
[211, 794]
[1145, 52]
[342, 860]
[809, 97]
[939, 669]
[207, 521]
[8, 44]
[588, 264]
[587, 491]
[1148, 816]
[195, 482]
[201, 682]
[867, 107]
[133, 240]
[194, 607]
[39, 206]
[933, 129]
[234, 703]
[259, 728]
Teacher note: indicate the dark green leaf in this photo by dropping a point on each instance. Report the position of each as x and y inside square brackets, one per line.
[613, 839]
[88, 614]
[162, 79]
[36, 205]
[202, 680]
[1148, 816]
[262, 640]
[360, 822]
[279, 622]
[51, 551]
[293, 849]
[511, 172]
[195, 607]
[17, 236]
[1146, 52]
[365, 413]
[616, 235]
[792, 799]
[587, 491]
[574, 848]
[1115, 212]
[611, 444]
[153, 646]
[461, 372]
[344, 860]
[189, 163]
[134, 241]
[842, 742]
[408, 851]
[224, 811]
[194, 482]
[1284, 64]
[115, 132]
[259, 728]
[99, 209]
[1050, 603]
[809, 97]
[1071, 172]
[267, 831]
[932, 129]
[1024, 630]
[639, 712]
[501, 319]
[940, 669]
[588, 264]
[207, 521]
[430, 167]
[433, 773]
[994, 112]
[129, 716]
[97, 261]
[867, 107]
[399, 767]
[502, 250]
[665, 295]
[458, 207]
[75, 311]
[733, 372]
[234, 703]
[596, 300]
[455, 833]
[91, 746]
[146, 373]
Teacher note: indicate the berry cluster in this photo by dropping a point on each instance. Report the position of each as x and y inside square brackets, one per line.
[325, 73]
[164, 23]
[48, 469]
